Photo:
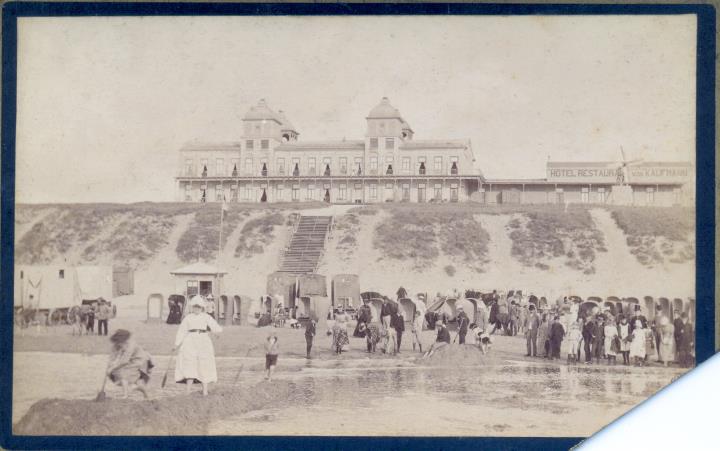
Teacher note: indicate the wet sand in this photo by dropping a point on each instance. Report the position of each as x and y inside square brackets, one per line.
[507, 396]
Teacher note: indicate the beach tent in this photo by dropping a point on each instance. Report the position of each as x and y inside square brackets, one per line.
[123, 281]
[240, 308]
[282, 285]
[94, 282]
[60, 287]
[345, 291]
[409, 306]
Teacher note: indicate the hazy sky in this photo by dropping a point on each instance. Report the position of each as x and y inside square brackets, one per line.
[104, 104]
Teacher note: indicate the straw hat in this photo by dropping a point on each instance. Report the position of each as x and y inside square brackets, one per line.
[197, 301]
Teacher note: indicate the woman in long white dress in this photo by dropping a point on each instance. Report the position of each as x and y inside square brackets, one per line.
[196, 356]
[637, 346]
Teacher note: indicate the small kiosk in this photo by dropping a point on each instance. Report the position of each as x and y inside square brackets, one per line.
[203, 279]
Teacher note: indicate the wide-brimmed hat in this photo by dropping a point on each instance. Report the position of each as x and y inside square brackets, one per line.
[120, 336]
[197, 301]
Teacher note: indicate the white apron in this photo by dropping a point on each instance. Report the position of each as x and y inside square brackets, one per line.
[196, 355]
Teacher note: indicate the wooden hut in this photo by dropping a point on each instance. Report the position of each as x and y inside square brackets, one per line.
[345, 291]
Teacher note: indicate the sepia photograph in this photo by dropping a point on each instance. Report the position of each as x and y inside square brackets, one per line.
[392, 226]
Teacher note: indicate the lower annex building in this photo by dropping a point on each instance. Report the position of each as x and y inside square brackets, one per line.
[270, 164]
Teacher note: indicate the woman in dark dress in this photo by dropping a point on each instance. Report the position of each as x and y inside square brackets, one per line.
[175, 315]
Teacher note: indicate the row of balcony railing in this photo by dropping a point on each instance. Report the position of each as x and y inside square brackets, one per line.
[328, 173]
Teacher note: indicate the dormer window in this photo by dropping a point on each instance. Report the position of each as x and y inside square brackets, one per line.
[249, 144]
[373, 143]
[265, 144]
[389, 143]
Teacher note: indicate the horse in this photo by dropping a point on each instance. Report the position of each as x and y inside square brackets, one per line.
[77, 317]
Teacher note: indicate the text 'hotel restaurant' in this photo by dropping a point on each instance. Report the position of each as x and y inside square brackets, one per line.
[270, 164]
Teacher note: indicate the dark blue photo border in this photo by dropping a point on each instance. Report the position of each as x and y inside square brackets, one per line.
[705, 219]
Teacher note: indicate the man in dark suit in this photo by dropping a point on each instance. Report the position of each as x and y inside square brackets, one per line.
[686, 342]
[589, 333]
[557, 332]
[463, 322]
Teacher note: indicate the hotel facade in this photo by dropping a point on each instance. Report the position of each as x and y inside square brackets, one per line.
[271, 164]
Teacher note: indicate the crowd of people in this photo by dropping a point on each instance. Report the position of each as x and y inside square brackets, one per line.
[602, 336]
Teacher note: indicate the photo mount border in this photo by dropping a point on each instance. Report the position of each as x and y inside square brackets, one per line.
[706, 333]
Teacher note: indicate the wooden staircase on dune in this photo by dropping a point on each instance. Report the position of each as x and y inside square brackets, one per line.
[307, 245]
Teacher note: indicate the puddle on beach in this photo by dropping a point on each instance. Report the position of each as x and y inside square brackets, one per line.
[384, 397]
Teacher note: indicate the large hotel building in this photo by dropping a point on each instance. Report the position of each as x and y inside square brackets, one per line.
[270, 164]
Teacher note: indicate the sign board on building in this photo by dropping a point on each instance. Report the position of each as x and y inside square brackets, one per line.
[607, 172]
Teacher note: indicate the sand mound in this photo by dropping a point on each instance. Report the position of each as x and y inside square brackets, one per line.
[454, 355]
[179, 415]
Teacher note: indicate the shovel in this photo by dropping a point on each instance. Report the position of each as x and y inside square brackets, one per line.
[165, 376]
[237, 376]
[101, 394]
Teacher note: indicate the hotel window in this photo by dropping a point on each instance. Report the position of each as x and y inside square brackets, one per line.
[219, 166]
[249, 144]
[390, 143]
[310, 192]
[585, 195]
[650, 195]
[233, 194]
[248, 166]
[677, 196]
[454, 166]
[406, 192]
[279, 193]
[192, 288]
[602, 195]
[373, 191]
[203, 167]
[438, 192]
[295, 193]
[326, 166]
[234, 164]
[406, 165]
[311, 166]
[248, 193]
[453, 192]
[421, 192]
[358, 192]
[342, 192]
[389, 186]
[263, 167]
[188, 192]
[438, 165]
[188, 167]
[357, 166]
[219, 194]
[421, 166]
[343, 165]
[560, 195]
[265, 144]
[281, 166]
[373, 165]
[373, 143]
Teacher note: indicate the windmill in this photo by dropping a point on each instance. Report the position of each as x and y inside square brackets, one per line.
[622, 171]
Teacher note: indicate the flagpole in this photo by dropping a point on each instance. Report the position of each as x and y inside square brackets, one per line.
[222, 213]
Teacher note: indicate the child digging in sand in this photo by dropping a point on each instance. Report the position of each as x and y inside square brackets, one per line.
[129, 364]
